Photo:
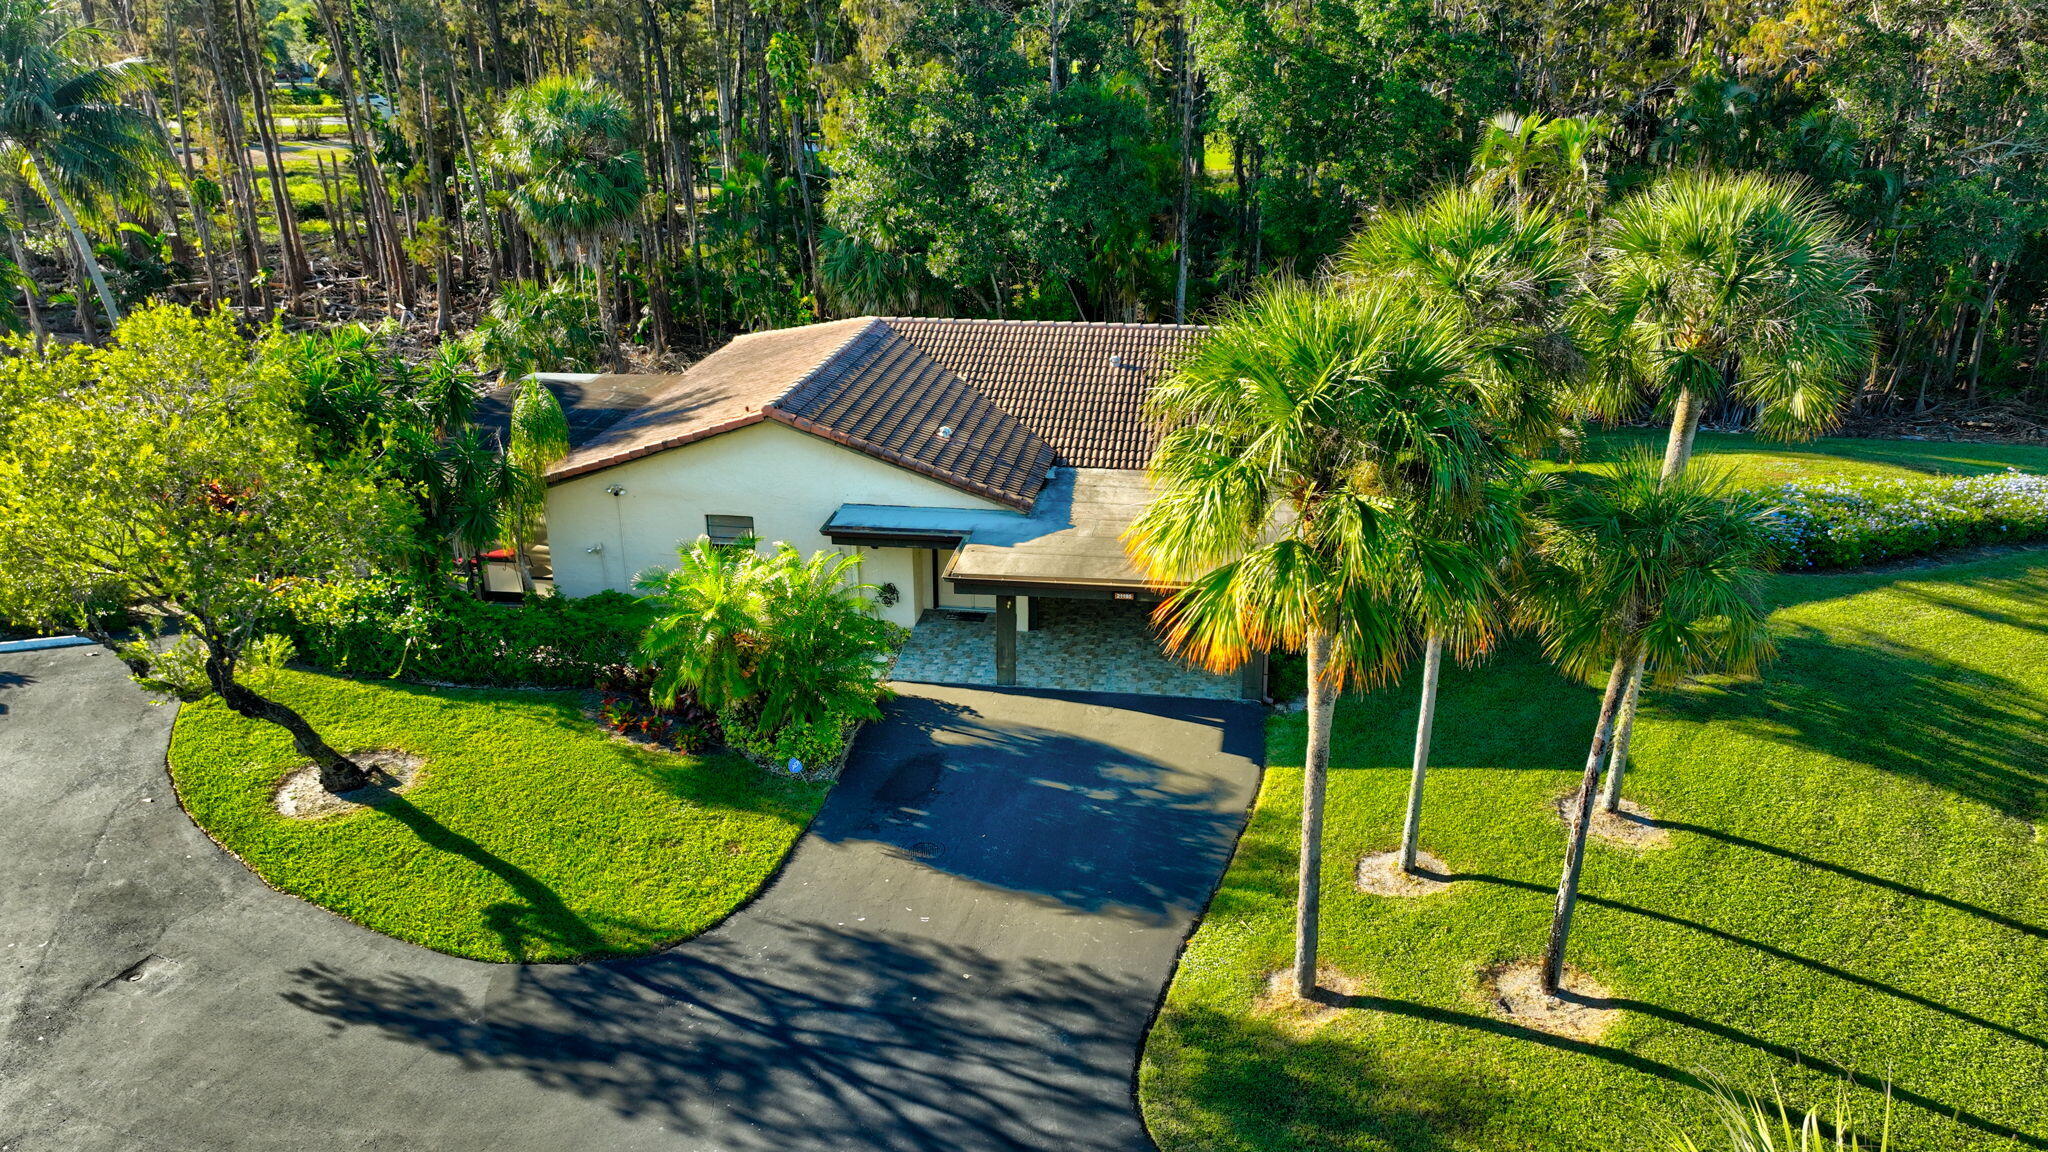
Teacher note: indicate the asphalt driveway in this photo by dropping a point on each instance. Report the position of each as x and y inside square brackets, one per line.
[961, 955]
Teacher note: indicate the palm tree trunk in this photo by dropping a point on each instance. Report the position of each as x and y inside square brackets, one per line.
[78, 240]
[1322, 700]
[1575, 850]
[1624, 727]
[1685, 424]
[1411, 827]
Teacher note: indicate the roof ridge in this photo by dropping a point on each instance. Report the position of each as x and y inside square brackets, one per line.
[1040, 323]
[826, 361]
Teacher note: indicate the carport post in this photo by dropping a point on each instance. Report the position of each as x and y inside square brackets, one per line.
[1006, 641]
[1251, 679]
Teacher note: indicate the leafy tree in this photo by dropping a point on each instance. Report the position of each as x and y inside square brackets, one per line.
[63, 126]
[1308, 438]
[768, 642]
[1633, 565]
[166, 473]
[567, 143]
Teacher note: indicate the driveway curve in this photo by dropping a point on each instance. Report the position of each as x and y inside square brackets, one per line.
[962, 954]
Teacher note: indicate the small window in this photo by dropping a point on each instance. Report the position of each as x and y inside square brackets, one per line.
[729, 529]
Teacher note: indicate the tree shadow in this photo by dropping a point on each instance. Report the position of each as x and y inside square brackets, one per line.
[541, 917]
[1777, 953]
[790, 1035]
[1894, 707]
[1087, 824]
[13, 680]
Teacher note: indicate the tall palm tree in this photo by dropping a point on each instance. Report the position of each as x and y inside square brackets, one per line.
[63, 127]
[1505, 272]
[1709, 285]
[1637, 564]
[577, 179]
[1305, 438]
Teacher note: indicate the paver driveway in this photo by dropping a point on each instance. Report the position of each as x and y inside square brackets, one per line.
[962, 954]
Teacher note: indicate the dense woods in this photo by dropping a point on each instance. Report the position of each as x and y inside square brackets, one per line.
[638, 178]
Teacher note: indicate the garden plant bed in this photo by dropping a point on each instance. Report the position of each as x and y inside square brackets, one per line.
[531, 835]
[1853, 887]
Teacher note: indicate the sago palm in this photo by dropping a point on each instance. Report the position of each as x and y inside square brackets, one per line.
[1631, 565]
[1305, 439]
[63, 126]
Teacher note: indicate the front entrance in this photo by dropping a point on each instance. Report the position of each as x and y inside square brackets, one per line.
[1076, 645]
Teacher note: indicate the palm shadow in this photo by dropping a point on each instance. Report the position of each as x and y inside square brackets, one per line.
[13, 680]
[792, 1035]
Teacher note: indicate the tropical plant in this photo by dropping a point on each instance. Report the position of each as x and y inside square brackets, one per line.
[567, 143]
[1537, 155]
[532, 327]
[540, 438]
[1710, 285]
[1307, 439]
[768, 643]
[167, 473]
[1634, 564]
[1751, 1124]
[63, 126]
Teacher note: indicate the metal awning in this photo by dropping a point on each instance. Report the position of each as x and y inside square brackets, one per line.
[1070, 544]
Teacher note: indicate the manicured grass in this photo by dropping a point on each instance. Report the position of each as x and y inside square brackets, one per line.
[1757, 462]
[1857, 883]
[532, 835]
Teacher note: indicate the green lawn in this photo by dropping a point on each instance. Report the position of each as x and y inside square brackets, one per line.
[1857, 885]
[1757, 462]
[532, 835]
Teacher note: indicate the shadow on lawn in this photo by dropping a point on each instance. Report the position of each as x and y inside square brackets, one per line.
[792, 1035]
[541, 917]
[1900, 709]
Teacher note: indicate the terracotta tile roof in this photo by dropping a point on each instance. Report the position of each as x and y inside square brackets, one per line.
[988, 406]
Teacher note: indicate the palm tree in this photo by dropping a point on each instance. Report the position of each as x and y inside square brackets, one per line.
[1306, 437]
[1505, 272]
[63, 126]
[1637, 564]
[1710, 285]
[567, 143]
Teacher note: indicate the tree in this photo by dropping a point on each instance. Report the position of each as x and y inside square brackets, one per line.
[1635, 564]
[540, 438]
[1504, 273]
[1711, 285]
[166, 474]
[567, 143]
[1305, 436]
[63, 125]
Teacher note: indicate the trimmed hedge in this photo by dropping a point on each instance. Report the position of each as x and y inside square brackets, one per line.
[1849, 523]
[419, 631]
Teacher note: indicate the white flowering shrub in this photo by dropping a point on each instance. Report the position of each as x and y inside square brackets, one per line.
[1847, 523]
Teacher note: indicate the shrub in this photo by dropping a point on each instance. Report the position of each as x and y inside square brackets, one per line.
[1846, 523]
[422, 630]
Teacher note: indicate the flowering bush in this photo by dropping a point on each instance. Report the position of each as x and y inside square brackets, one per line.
[1846, 523]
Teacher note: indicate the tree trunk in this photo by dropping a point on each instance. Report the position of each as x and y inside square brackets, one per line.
[86, 260]
[1624, 727]
[338, 773]
[28, 290]
[1322, 700]
[1411, 826]
[1575, 850]
[1184, 225]
[1685, 424]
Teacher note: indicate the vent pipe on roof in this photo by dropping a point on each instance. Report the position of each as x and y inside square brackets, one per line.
[1116, 360]
[945, 431]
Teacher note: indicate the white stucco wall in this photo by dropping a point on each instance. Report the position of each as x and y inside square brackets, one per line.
[790, 482]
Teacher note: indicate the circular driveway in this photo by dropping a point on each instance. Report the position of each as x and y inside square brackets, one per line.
[962, 953]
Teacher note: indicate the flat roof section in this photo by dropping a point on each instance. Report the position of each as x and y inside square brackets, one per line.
[1073, 537]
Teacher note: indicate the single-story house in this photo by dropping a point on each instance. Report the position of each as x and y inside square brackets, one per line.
[973, 465]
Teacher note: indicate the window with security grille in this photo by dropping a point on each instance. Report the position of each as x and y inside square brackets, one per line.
[729, 529]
